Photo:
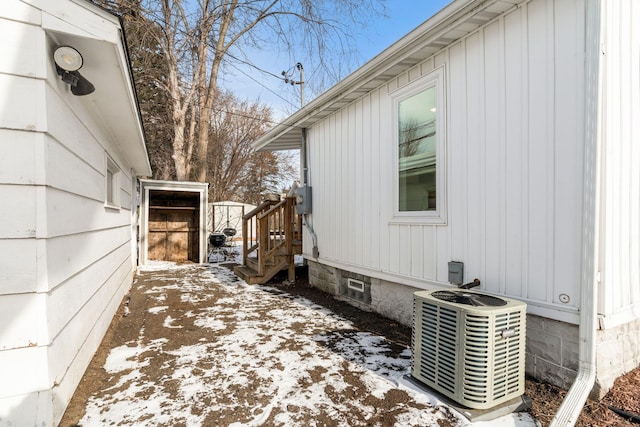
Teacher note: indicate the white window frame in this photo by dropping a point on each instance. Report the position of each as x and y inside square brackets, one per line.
[435, 78]
[111, 183]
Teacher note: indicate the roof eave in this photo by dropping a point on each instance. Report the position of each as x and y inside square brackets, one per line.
[433, 35]
[107, 66]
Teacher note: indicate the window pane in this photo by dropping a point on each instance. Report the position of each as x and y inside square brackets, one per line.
[417, 152]
[110, 188]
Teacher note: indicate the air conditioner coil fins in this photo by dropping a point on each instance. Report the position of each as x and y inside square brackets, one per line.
[469, 346]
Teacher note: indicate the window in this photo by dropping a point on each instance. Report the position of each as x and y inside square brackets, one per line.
[112, 184]
[420, 147]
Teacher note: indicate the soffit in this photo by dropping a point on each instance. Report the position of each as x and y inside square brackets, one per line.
[457, 20]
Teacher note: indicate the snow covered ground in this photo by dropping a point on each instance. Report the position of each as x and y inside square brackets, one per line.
[211, 350]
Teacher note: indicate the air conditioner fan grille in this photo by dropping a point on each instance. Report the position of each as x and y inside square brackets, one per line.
[438, 356]
[469, 298]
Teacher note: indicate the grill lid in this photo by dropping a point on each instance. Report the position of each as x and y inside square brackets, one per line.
[229, 231]
[217, 239]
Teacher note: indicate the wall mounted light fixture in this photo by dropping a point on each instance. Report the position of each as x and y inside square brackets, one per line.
[68, 61]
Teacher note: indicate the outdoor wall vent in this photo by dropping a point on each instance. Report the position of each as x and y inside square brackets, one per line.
[356, 285]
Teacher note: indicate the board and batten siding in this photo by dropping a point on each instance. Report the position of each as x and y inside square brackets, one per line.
[65, 257]
[619, 265]
[514, 138]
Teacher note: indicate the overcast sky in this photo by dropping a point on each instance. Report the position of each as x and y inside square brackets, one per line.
[252, 84]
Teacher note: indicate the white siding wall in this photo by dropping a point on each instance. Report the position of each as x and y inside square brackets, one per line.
[65, 259]
[620, 216]
[23, 336]
[514, 167]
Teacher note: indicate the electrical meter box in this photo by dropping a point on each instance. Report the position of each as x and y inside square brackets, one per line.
[456, 272]
[303, 200]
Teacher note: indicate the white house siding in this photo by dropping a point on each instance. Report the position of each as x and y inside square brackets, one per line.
[65, 258]
[620, 221]
[618, 343]
[514, 167]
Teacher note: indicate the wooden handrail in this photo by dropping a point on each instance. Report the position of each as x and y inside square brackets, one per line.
[273, 208]
[257, 209]
[277, 228]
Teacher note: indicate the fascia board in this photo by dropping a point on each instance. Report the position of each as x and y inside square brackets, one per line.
[412, 42]
[79, 18]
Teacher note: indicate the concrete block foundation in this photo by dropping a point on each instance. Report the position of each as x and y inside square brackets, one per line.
[552, 353]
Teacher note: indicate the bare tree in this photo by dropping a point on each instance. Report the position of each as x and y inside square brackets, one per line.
[236, 172]
[268, 172]
[197, 36]
[178, 47]
[149, 72]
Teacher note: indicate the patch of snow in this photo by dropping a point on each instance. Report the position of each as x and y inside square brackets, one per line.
[209, 323]
[122, 358]
[168, 323]
[266, 341]
[159, 309]
[163, 266]
[127, 357]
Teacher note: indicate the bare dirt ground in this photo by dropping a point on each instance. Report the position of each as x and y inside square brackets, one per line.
[99, 385]
[624, 395]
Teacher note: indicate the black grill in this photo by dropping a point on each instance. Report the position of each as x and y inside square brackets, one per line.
[217, 240]
[229, 231]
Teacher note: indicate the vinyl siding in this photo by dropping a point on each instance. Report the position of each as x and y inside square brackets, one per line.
[65, 258]
[620, 193]
[513, 163]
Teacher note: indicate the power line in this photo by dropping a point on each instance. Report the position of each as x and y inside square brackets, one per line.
[250, 64]
[258, 82]
[247, 116]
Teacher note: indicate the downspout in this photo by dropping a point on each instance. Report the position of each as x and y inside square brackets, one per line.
[575, 399]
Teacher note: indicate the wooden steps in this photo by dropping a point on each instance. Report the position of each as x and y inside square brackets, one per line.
[250, 275]
[247, 274]
[267, 253]
[297, 246]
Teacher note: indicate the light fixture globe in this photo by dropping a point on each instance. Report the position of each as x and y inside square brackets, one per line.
[67, 58]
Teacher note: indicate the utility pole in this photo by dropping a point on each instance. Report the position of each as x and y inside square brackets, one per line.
[288, 78]
[301, 83]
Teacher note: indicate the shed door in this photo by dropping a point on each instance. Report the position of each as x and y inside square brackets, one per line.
[173, 226]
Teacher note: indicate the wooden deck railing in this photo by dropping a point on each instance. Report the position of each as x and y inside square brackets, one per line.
[250, 230]
[277, 230]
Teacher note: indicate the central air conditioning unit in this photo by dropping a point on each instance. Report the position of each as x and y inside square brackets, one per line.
[469, 346]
